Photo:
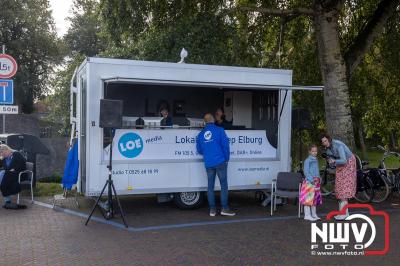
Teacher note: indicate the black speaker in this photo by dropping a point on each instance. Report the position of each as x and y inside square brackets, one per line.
[110, 113]
[301, 119]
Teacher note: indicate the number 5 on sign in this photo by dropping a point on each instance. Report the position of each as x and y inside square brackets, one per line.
[6, 91]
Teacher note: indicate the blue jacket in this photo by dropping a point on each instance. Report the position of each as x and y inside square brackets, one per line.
[213, 144]
[311, 168]
[340, 151]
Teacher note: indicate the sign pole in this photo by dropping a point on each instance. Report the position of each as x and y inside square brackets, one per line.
[4, 116]
[8, 69]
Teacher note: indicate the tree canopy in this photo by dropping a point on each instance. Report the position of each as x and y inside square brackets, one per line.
[27, 29]
[349, 46]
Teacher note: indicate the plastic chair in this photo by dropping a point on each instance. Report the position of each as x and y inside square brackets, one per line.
[286, 185]
[26, 181]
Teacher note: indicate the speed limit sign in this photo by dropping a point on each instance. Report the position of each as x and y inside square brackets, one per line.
[8, 66]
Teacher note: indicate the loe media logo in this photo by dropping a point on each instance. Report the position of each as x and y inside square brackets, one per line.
[130, 145]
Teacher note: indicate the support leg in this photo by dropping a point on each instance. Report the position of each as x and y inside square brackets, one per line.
[119, 206]
[97, 202]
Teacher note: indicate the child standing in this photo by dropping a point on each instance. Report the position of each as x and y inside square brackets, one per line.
[310, 190]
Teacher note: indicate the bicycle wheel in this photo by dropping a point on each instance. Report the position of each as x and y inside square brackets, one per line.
[380, 185]
[328, 183]
[365, 191]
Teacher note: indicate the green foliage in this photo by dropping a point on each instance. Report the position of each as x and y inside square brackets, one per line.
[59, 101]
[375, 89]
[84, 34]
[199, 26]
[27, 30]
[82, 39]
[353, 19]
[47, 189]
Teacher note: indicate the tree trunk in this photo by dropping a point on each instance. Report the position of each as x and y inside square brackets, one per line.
[393, 140]
[336, 93]
[361, 140]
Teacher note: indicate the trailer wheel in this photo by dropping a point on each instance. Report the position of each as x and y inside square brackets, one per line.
[189, 200]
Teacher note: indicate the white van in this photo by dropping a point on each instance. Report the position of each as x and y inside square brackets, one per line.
[148, 158]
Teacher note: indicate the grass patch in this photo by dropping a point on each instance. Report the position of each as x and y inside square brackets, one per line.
[47, 189]
[374, 157]
[44, 190]
[51, 179]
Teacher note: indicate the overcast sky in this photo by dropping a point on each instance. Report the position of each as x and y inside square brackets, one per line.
[61, 10]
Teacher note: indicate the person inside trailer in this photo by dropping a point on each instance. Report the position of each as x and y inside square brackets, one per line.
[220, 119]
[167, 120]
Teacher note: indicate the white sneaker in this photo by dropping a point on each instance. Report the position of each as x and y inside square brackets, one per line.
[213, 212]
[307, 214]
[343, 216]
[340, 217]
[314, 213]
[227, 213]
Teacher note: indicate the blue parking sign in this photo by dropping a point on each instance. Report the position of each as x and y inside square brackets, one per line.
[6, 91]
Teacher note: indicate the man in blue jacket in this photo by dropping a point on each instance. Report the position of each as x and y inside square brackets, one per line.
[213, 144]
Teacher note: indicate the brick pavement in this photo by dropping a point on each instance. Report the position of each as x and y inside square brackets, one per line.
[41, 236]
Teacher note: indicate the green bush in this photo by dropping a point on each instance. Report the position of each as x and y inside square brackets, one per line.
[51, 179]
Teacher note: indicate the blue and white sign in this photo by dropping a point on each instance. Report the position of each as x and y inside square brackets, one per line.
[6, 91]
[178, 144]
[130, 145]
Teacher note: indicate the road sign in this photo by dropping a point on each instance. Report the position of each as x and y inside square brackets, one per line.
[6, 91]
[8, 109]
[8, 66]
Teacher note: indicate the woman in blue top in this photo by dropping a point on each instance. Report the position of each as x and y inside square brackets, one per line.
[312, 182]
[346, 171]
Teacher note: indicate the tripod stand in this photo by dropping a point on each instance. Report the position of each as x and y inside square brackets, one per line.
[111, 189]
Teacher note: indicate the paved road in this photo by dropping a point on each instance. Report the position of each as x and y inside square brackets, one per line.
[41, 236]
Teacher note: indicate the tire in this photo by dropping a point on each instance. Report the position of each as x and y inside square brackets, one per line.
[365, 191]
[381, 193]
[381, 188]
[189, 200]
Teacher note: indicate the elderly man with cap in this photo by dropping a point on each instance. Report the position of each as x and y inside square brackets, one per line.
[213, 144]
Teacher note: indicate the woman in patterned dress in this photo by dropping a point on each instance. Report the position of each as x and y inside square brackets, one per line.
[346, 172]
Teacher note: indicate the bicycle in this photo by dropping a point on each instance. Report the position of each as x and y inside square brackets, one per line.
[364, 191]
[385, 180]
[327, 177]
[365, 187]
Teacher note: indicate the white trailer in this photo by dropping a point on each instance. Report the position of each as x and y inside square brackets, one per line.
[149, 159]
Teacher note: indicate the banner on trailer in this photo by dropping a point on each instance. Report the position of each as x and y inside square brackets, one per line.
[178, 144]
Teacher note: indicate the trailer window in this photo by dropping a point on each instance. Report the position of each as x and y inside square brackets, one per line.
[74, 104]
[244, 109]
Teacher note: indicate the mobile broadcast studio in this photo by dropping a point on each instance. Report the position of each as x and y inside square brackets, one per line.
[151, 159]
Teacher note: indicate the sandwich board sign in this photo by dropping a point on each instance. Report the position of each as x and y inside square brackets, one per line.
[8, 66]
[6, 91]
